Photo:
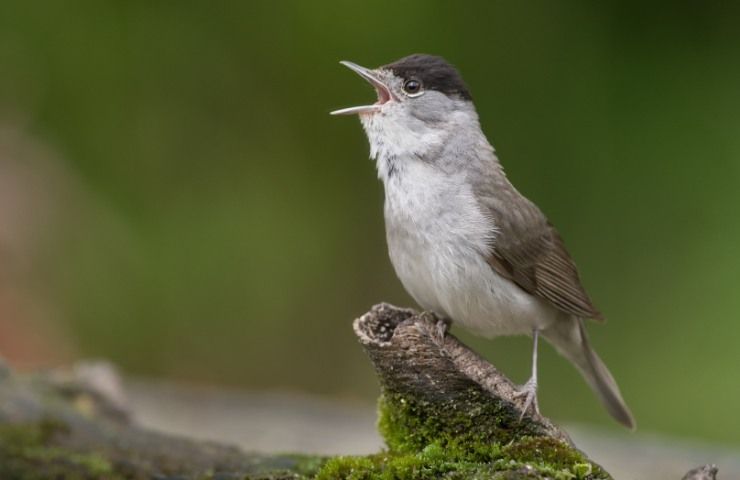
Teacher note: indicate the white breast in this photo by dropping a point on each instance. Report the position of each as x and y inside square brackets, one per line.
[438, 240]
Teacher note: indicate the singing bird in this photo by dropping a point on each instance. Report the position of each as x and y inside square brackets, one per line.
[464, 242]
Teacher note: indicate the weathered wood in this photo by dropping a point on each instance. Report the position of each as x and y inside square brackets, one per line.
[437, 393]
[706, 472]
[414, 356]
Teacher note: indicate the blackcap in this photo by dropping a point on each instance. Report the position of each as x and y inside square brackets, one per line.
[464, 242]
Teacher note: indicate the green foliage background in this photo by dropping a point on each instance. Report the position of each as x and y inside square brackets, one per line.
[231, 229]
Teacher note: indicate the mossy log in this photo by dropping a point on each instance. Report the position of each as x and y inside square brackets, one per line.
[56, 425]
[445, 413]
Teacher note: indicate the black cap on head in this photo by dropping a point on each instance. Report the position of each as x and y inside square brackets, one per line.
[434, 73]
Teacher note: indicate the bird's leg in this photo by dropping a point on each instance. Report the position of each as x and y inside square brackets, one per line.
[529, 389]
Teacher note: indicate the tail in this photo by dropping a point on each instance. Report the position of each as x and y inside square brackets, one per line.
[569, 338]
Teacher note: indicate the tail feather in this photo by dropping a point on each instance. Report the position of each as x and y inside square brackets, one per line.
[568, 336]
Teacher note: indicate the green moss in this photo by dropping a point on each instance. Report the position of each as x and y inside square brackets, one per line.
[307, 465]
[467, 423]
[420, 466]
[467, 438]
[554, 454]
[350, 468]
[26, 453]
[460, 440]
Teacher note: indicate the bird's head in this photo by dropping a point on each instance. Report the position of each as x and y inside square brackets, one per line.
[421, 100]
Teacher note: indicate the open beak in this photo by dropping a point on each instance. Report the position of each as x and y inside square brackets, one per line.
[384, 93]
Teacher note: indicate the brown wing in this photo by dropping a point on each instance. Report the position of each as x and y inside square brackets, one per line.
[529, 251]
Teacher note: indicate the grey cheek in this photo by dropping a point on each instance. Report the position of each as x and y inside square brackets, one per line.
[432, 107]
[428, 114]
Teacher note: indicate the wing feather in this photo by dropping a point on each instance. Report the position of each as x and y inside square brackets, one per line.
[530, 252]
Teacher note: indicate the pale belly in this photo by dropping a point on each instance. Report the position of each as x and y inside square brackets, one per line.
[438, 250]
[467, 291]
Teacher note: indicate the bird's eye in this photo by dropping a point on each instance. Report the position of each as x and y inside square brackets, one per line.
[412, 87]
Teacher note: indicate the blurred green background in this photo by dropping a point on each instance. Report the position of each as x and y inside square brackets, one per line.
[175, 197]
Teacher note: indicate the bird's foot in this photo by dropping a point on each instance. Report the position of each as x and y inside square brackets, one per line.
[441, 327]
[529, 392]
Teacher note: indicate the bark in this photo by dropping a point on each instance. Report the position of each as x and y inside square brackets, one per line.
[706, 472]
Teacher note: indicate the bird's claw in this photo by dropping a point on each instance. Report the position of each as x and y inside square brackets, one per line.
[441, 327]
[529, 392]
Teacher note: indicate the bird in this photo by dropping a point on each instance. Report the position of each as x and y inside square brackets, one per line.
[465, 244]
